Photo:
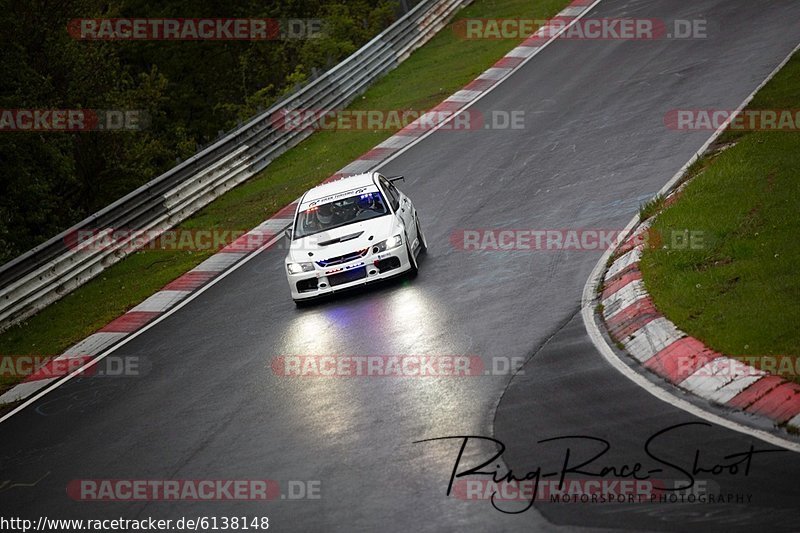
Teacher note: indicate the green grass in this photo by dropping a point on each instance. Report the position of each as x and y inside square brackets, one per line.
[432, 73]
[651, 207]
[737, 287]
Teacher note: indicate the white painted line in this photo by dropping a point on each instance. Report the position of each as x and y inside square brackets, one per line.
[219, 262]
[161, 301]
[626, 296]
[590, 290]
[463, 96]
[795, 421]
[623, 262]
[651, 338]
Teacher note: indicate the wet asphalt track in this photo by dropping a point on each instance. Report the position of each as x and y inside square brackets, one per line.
[593, 148]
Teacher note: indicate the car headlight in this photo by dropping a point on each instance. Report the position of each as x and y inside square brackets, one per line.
[388, 244]
[297, 268]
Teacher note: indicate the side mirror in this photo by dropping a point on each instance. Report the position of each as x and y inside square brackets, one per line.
[392, 179]
[288, 233]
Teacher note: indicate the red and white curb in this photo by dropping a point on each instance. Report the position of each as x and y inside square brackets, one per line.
[633, 321]
[258, 238]
[626, 256]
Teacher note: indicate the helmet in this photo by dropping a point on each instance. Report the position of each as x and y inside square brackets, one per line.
[342, 208]
[365, 201]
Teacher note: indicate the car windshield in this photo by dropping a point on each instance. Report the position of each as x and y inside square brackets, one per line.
[339, 213]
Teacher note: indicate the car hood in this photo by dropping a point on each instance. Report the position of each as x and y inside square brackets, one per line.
[343, 240]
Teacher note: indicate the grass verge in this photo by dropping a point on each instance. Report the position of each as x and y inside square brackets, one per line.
[734, 283]
[432, 73]
[651, 207]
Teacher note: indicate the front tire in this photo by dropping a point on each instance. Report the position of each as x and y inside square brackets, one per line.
[412, 260]
[423, 244]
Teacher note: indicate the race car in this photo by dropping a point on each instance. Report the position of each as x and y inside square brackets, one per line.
[349, 232]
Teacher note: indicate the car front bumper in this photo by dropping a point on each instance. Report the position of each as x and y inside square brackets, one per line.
[327, 280]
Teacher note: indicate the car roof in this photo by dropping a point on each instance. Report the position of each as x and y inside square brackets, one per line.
[340, 185]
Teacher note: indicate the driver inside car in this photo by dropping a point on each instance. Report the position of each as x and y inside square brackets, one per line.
[369, 202]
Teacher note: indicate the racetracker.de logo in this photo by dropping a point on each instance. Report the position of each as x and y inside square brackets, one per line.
[571, 239]
[192, 489]
[531, 240]
[396, 119]
[554, 490]
[396, 366]
[35, 367]
[194, 29]
[38, 367]
[591, 490]
[131, 240]
[591, 29]
[63, 120]
[724, 368]
[747, 120]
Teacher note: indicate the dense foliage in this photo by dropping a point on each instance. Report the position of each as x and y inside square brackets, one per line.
[192, 91]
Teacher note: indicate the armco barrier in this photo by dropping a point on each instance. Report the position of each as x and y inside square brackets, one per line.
[53, 269]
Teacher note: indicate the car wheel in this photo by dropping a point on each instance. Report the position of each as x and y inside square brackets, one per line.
[423, 244]
[411, 259]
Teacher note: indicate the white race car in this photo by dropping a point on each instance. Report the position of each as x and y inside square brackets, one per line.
[350, 232]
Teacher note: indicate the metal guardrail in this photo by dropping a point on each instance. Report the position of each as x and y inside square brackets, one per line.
[57, 267]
